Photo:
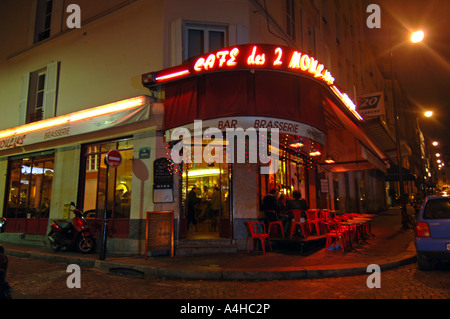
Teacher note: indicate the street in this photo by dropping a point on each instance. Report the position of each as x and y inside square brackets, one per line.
[37, 279]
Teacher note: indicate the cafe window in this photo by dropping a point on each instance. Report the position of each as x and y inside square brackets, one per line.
[30, 187]
[96, 185]
[290, 177]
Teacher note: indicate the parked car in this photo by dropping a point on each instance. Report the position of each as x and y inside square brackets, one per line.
[432, 234]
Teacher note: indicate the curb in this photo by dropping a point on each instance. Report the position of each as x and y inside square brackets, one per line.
[206, 273]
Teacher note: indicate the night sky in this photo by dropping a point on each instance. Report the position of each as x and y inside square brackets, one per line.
[423, 69]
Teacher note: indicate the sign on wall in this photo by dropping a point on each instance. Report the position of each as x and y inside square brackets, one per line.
[371, 105]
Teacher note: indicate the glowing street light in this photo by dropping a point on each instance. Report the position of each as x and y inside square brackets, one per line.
[438, 154]
[428, 113]
[435, 143]
[417, 36]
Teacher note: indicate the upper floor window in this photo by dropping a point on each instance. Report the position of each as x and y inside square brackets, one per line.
[39, 92]
[203, 38]
[290, 18]
[35, 109]
[43, 20]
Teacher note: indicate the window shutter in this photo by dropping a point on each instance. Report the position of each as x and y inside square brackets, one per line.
[24, 98]
[176, 42]
[51, 86]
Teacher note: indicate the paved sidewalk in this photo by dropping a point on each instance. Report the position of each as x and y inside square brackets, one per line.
[391, 247]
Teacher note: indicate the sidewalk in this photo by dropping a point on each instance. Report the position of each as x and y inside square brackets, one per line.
[391, 247]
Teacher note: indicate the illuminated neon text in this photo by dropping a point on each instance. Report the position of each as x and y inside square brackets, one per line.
[222, 58]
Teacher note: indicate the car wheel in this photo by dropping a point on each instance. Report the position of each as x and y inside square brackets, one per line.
[423, 263]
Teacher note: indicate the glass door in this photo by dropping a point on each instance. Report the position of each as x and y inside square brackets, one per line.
[205, 201]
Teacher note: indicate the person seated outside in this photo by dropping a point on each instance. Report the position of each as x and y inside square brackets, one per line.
[297, 203]
[270, 204]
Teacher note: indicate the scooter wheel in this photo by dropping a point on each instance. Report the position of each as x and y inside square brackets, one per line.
[86, 245]
[53, 243]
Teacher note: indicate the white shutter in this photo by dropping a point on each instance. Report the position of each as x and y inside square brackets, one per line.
[51, 86]
[176, 42]
[24, 99]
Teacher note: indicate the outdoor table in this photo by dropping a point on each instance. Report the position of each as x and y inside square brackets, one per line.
[349, 223]
[365, 220]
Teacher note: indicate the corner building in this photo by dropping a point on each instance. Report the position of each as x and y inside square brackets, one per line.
[137, 70]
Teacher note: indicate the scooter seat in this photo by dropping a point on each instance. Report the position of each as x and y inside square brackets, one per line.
[64, 224]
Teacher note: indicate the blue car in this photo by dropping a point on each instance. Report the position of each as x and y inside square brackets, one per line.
[432, 235]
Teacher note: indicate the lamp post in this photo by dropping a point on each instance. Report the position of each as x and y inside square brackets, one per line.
[415, 38]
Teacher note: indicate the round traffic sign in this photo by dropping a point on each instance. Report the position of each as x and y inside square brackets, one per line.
[113, 158]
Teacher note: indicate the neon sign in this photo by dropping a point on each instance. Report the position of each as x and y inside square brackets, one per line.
[247, 56]
[253, 57]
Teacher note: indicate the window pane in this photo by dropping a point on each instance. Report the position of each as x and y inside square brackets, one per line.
[14, 185]
[195, 42]
[39, 100]
[123, 186]
[216, 40]
[37, 175]
[41, 82]
[117, 186]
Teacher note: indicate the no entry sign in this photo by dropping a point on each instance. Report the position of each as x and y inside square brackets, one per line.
[113, 158]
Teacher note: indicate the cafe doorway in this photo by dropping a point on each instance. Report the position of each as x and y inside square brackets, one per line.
[206, 201]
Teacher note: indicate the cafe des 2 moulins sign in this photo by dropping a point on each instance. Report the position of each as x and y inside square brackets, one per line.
[252, 57]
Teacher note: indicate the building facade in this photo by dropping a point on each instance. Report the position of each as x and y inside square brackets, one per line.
[70, 95]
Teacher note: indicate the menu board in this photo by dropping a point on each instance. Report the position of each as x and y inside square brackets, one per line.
[159, 233]
[163, 181]
[162, 174]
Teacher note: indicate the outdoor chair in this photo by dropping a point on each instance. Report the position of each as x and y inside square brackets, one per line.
[257, 231]
[335, 236]
[296, 222]
[274, 221]
[314, 219]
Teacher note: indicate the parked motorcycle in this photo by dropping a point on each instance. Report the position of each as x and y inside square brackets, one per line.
[64, 235]
[5, 289]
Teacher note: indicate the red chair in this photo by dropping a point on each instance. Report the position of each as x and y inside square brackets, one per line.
[297, 222]
[315, 220]
[275, 222]
[335, 236]
[259, 233]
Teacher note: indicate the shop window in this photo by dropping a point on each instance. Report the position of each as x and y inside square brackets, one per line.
[202, 38]
[96, 185]
[30, 187]
[290, 177]
[39, 91]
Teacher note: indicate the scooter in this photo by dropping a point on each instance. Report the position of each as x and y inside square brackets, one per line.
[5, 289]
[65, 235]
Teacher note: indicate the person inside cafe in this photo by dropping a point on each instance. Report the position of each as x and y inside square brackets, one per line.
[215, 207]
[193, 201]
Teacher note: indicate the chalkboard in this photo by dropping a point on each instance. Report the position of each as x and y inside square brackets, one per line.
[162, 174]
[159, 232]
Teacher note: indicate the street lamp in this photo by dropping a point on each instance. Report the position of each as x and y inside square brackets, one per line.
[415, 38]
[428, 113]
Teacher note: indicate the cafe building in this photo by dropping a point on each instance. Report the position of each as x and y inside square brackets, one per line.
[253, 87]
